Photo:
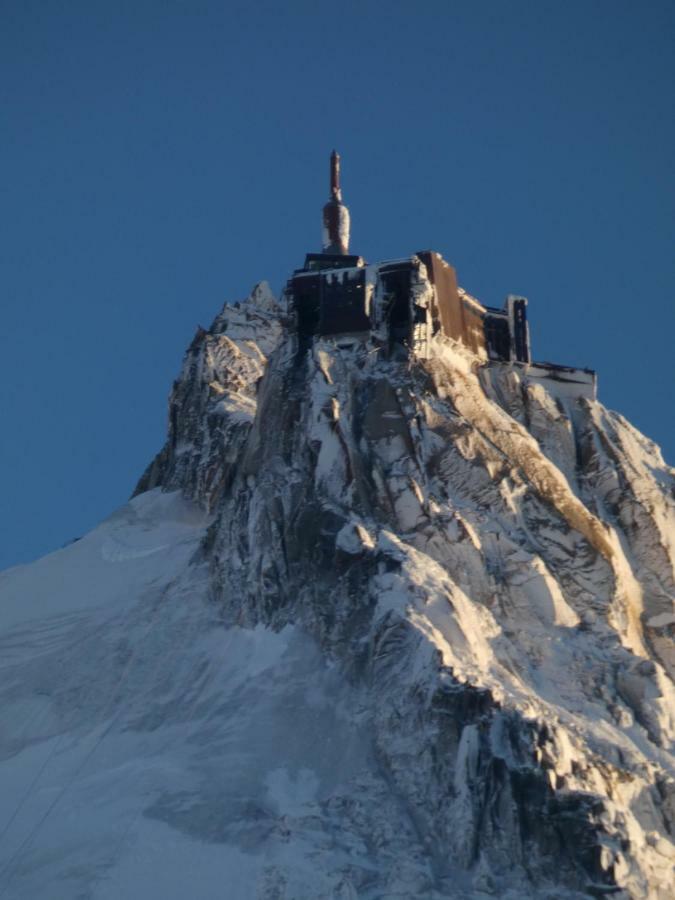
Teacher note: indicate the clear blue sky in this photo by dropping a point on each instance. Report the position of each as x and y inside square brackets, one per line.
[159, 158]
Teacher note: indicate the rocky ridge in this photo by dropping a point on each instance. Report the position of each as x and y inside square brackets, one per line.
[489, 564]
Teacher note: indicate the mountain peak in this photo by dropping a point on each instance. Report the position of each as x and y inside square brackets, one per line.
[389, 615]
[479, 542]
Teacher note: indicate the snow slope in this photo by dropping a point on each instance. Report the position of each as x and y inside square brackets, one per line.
[149, 752]
[374, 628]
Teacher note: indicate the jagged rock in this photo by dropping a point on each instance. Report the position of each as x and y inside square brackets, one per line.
[463, 583]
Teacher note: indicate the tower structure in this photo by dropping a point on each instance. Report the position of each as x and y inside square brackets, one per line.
[335, 214]
[398, 307]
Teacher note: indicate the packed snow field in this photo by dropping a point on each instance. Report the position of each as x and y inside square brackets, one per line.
[370, 628]
[148, 751]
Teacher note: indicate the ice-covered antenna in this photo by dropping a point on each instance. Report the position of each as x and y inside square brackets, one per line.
[335, 192]
[335, 214]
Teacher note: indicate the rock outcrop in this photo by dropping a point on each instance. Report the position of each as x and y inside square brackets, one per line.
[491, 567]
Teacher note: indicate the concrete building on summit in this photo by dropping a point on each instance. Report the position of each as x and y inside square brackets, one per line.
[402, 303]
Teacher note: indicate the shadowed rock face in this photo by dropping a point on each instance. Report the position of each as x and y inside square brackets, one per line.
[490, 565]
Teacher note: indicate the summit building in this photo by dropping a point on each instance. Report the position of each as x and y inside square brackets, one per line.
[401, 304]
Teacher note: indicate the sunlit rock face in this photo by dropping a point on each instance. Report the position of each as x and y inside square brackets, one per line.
[386, 626]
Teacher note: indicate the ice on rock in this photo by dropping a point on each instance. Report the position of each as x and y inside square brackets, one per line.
[353, 538]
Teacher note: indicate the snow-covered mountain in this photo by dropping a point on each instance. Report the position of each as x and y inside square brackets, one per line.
[369, 628]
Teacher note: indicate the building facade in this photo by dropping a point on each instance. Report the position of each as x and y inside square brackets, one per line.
[402, 303]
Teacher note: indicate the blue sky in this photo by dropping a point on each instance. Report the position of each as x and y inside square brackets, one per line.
[159, 158]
